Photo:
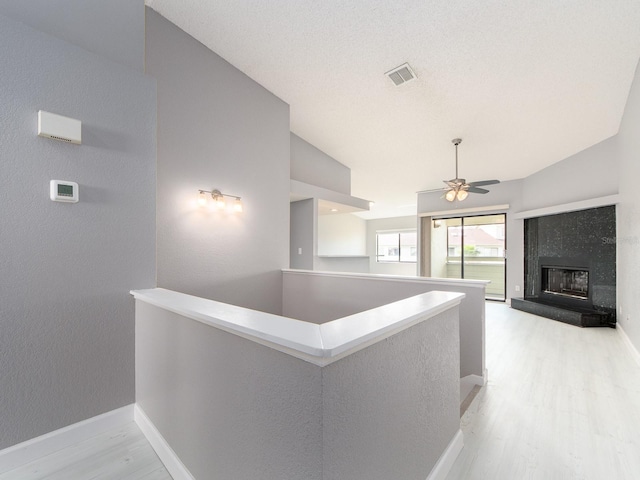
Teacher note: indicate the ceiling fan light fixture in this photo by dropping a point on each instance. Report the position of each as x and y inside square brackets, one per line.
[457, 188]
[450, 195]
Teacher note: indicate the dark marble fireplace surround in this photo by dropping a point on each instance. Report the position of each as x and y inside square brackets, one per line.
[582, 240]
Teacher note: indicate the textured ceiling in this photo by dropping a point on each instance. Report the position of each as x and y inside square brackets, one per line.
[524, 84]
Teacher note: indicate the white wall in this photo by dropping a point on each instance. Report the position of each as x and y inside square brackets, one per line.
[217, 128]
[439, 252]
[313, 166]
[303, 233]
[342, 234]
[396, 223]
[628, 244]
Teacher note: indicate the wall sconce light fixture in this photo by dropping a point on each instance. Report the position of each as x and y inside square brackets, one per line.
[219, 200]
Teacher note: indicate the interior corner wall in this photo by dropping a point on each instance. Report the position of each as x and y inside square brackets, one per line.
[395, 223]
[66, 315]
[218, 129]
[313, 166]
[628, 210]
[113, 29]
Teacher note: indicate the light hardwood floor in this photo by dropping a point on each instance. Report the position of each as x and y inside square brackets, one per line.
[121, 454]
[562, 402]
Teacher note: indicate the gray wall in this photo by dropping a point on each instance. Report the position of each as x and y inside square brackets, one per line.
[319, 298]
[217, 128]
[313, 166]
[113, 29]
[303, 232]
[591, 173]
[232, 409]
[341, 264]
[628, 244]
[396, 223]
[390, 410]
[66, 341]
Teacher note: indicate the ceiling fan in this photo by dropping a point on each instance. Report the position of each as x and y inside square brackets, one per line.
[458, 188]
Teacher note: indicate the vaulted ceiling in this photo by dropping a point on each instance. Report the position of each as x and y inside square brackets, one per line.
[525, 84]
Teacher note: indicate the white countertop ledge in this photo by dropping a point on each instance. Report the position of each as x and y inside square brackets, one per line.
[317, 344]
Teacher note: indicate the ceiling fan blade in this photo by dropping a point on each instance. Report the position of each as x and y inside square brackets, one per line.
[483, 183]
[477, 190]
[434, 190]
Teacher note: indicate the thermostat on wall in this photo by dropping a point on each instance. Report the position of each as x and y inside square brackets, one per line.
[63, 191]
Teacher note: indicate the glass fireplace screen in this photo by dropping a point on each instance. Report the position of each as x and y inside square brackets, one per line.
[565, 281]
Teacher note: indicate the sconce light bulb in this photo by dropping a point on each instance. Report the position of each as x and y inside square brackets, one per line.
[218, 199]
[202, 198]
[237, 205]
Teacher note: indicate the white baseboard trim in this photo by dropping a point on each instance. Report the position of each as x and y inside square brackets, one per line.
[30, 450]
[468, 383]
[448, 457]
[476, 379]
[632, 349]
[166, 454]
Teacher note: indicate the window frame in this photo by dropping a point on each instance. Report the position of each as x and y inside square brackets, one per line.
[399, 233]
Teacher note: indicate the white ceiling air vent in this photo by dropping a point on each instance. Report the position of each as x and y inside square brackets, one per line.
[401, 74]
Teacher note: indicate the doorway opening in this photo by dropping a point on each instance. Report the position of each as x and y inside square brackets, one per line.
[468, 247]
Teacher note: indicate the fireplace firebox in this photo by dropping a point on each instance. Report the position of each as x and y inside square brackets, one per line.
[565, 282]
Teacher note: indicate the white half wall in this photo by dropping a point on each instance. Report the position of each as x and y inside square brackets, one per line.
[320, 297]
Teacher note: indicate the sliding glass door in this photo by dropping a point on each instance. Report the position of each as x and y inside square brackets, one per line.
[470, 248]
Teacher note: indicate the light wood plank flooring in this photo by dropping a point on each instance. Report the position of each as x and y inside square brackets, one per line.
[120, 454]
[562, 402]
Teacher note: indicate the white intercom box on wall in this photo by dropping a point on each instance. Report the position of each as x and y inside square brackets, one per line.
[58, 127]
